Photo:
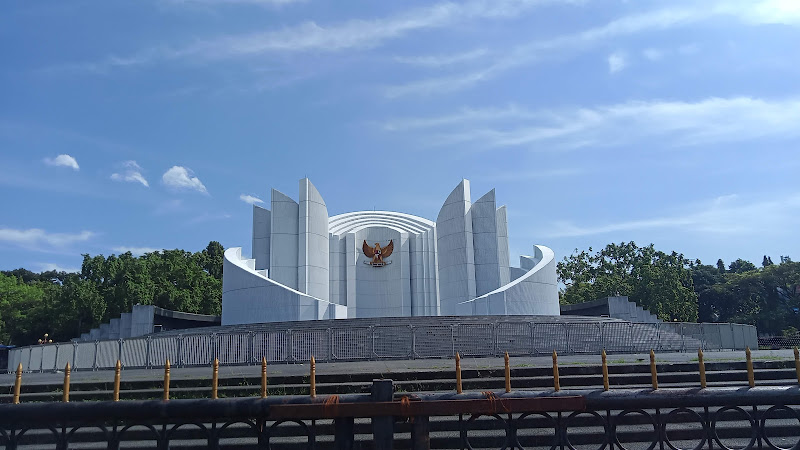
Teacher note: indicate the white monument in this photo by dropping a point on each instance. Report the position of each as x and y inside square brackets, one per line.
[308, 266]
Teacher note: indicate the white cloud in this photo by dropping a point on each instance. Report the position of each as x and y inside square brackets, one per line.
[748, 12]
[616, 62]
[250, 199]
[441, 60]
[62, 160]
[136, 251]
[464, 115]
[653, 54]
[708, 121]
[181, 178]
[132, 173]
[718, 216]
[310, 36]
[37, 236]
[47, 267]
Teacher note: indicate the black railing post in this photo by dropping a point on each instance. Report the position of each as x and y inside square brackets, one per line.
[383, 427]
[420, 433]
[343, 433]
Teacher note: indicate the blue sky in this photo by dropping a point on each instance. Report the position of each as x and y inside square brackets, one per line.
[150, 124]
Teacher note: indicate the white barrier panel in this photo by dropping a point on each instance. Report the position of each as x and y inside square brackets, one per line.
[550, 336]
[35, 363]
[84, 355]
[234, 348]
[392, 342]
[65, 353]
[584, 338]
[49, 353]
[164, 348]
[309, 342]
[351, 343]
[474, 339]
[273, 345]
[516, 338]
[433, 341]
[198, 349]
[134, 353]
[107, 354]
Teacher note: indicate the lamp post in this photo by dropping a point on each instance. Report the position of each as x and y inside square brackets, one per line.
[45, 340]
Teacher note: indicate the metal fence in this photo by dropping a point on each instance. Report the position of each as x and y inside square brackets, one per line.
[715, 418]
[348, 343]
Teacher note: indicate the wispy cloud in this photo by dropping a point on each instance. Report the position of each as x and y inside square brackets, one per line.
[441, 60]
[617, 61]
[747, 12]
[462, 116]
[310, 36]
[181, 178]
[136, 251]
[711, 120]
[208, 217]
[63, 161]
[723, 215]
[231, 2]
[653, 54]
[33, 237]
[132, 173]
[47, 267]
[518, 175]
[250, 199]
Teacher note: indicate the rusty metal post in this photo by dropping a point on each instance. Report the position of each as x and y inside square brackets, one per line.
[556, 381]
[382, 427]
[653, 372]
[751, 380]
[263, 377]
[166, 380]
[702, 367]
[18, 383]
[65, 396]
[117, 370]
[508, 373]
[214, 378]
[313, 387]
[458, 374]
[797, 364]
[605, 370]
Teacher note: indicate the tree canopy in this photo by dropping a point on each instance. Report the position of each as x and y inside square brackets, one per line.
[660, 282]
[65, 305]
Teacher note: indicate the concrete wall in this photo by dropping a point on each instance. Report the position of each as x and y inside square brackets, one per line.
[455, 250]
[251, 297]
[485, 243]
[313, 247]
[262, 226]
[142, 320]
[284, 240]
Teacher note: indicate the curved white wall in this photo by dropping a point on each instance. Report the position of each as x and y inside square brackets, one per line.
[455, 251]
[250, 297]
[534, 293]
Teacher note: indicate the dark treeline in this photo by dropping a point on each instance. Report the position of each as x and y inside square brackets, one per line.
[64, 305]
[676, 288]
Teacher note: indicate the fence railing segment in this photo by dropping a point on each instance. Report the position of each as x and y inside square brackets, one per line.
[375, 342]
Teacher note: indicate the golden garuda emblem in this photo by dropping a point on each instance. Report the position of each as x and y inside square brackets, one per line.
[377, 253]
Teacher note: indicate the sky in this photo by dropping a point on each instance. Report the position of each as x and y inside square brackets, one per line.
[150, 124]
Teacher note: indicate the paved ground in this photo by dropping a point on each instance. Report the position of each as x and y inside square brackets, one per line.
[386, 368]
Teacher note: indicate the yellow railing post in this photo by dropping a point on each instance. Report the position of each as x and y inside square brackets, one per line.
[166, 380]
[653, 372]
[458, 374]
[751, 379]
[18, 383]
[507, 372]
[65, 396]
[117, 370]
[313, 387]
[214, 378]
[797, 364]
[605, 369]
[701, 365]
[556, 381]
[263, 377]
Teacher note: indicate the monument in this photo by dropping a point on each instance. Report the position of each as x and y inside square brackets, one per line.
[306, 265]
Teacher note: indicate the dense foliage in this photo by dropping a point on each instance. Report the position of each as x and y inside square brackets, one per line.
[68, 304]
[676, 288]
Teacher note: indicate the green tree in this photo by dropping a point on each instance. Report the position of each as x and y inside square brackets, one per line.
[17, 303]
[660, 282]
[741, 266]
[767, 261]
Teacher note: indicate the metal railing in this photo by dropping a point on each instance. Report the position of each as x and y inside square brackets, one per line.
[375, 342]
[724, 418]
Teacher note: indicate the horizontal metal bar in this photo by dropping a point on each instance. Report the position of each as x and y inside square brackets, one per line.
[428, 408]
[234, 408]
